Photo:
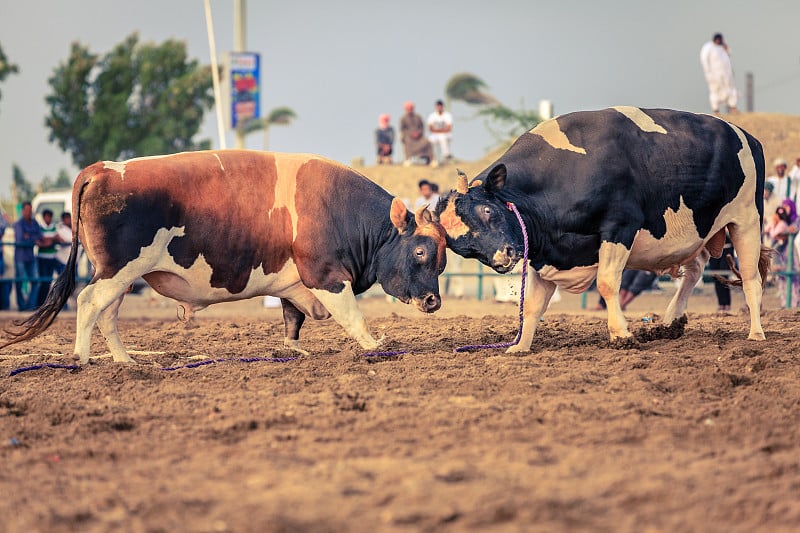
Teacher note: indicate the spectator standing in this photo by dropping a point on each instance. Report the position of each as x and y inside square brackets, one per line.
[772, 201]
[418, 149]
[27, 234]
[384, 140]
[46, 261]
[64, 233]
[440, 126]
[716, 61]
[5, 286]
[634, 282]
[794, 173]
[721, 263]
[784, 186]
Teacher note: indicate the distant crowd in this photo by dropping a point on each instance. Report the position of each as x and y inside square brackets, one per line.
[419, 148]
[40, 251]
[781, 224]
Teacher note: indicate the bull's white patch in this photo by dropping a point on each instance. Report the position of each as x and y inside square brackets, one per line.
[117, 166]
[192, 286]
[343, 307]
[574, 280]
[221, 166]
[550, 131]
[612, 259]
[121, 166]
[680, 243]
[286, 167]
[640, 118]
[539, 293]
[99, 296]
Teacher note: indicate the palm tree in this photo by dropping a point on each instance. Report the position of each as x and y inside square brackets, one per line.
[278, 116]
[468, 88]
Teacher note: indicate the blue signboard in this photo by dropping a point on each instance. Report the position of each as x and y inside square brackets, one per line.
[245, 87]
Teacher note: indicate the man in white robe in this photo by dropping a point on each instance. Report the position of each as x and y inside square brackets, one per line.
[716, 61]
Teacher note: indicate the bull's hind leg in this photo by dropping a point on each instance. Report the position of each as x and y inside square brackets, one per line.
[691, 273]
[94, 301]
[540, 291]
[611, 263]
[747, 243]
[293, 320]
[107, 322]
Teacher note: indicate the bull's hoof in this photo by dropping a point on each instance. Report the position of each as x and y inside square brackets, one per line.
[757, 336]
[518, 348]
[624, 343]
[294, 345]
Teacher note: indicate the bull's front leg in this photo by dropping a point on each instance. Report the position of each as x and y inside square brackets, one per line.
[539, 292]
[343, 307]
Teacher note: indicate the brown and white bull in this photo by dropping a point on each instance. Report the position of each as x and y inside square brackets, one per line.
[217, 226]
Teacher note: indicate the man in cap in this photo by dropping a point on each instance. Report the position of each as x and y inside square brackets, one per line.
[784, 187]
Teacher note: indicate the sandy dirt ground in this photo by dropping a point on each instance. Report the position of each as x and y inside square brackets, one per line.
[696, 433]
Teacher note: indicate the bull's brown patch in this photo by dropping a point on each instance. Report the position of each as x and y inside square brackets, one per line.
[451, 222]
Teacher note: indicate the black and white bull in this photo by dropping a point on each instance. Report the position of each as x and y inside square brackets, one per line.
[216, 226]
[601, 191]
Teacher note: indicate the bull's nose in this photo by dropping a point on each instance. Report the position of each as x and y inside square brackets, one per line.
[432, 303]
[510, 252]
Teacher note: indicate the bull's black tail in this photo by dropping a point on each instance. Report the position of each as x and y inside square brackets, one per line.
[60, 292]
[764, 262]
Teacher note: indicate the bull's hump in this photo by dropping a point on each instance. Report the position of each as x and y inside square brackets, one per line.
[550, 131]
[644, 121]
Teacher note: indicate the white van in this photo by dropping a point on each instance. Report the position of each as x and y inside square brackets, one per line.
[57, 201]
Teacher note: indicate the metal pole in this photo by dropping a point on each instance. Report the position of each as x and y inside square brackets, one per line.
[749, 92]
[239, 40]
[790, 274]
[212, 48]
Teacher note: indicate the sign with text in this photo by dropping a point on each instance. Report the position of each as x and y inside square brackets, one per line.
[245, 86]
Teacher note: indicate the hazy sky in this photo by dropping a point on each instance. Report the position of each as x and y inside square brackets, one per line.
[340, 64]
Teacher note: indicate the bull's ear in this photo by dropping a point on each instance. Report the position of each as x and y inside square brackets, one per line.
[496, 179]
[423, 216]
[398, 214]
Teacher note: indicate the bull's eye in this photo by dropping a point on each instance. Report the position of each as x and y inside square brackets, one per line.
[420, 252]
[487, 210]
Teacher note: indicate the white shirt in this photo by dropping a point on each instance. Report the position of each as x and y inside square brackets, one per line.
[794, 173]
[780, 186]
[716, 62]
[440, 121]
[62, 250]
[432, 201]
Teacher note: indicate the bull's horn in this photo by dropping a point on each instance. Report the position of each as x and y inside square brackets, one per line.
[423, 216]
[463, 183]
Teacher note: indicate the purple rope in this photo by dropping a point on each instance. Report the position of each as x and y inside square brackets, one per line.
[384, 354]
[189, 365]
[240, 359]
[471, 347]
[39, 367]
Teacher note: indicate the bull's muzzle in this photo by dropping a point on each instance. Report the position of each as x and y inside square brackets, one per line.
[505, 259]
[428, 304]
